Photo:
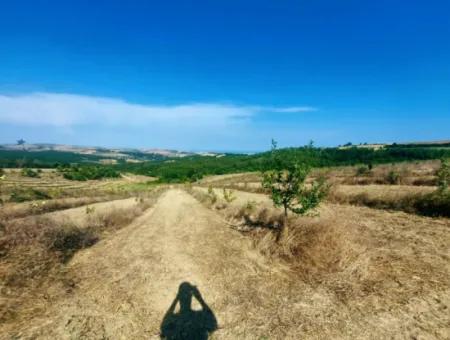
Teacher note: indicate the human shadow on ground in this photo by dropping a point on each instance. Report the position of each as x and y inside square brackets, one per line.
[188, 323]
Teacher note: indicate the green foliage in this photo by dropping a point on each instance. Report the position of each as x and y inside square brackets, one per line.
[393, 177]
[27, 172]
[83, 173]
[24, 195]
[434, 204]
[362, 170]
[212, 194]
[228, 195]
[193, 168]
[286, 184]
[2, 172]
[443, 175]
[90, 210]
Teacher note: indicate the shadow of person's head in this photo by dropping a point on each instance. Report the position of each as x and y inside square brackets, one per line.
[185, 293]
[188, 323]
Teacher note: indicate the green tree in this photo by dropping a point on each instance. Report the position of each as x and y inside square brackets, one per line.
[287, 187]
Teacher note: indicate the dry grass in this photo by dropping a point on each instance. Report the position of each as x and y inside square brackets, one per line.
[411, 199]
[409, 173]
[348, 268]
[18, 210]
[34, 250]
[338, 240]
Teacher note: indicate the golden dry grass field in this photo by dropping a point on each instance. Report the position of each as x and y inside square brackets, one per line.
[125, 259]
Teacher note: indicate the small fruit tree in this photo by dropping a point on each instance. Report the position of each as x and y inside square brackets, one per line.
[286, 185]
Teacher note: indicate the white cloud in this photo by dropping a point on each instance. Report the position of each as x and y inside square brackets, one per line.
[293, 109]
[69, 110]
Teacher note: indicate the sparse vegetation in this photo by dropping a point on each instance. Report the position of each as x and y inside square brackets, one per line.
[363, 170]
[212, 195]
[393, 177]
[228, 195]
[27, 172]
[23, 195]
[443, 175]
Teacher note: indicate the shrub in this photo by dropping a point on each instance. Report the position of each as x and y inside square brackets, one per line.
[27, 172]
[212, 194]
[434, 204]
[443, 175]
[19, 196]
[393, 177]
[228, 195]
[362, 170]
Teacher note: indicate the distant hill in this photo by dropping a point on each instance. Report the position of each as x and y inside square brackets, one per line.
[44, 154]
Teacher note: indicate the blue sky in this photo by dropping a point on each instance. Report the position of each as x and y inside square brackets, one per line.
[224, 75]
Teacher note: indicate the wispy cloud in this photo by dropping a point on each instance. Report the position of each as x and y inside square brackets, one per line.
[293, 109]
[69, 110]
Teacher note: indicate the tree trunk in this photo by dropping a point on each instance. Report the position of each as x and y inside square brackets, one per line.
[283, 232]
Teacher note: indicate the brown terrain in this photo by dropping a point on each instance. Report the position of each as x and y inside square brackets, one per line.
[186, 266]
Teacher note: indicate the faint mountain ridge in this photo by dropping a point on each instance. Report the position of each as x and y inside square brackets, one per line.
[128, 154]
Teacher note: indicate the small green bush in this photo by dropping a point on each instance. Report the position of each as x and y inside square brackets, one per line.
[228, 195]
[362, 170]
[27, 172]
[393, 177]
[212, 194]
[25, 195]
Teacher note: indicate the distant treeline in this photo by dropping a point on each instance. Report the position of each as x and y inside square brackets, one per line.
[424, 145]
[42, 159]
[51, 159]
[88, 172]
[195, 167]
